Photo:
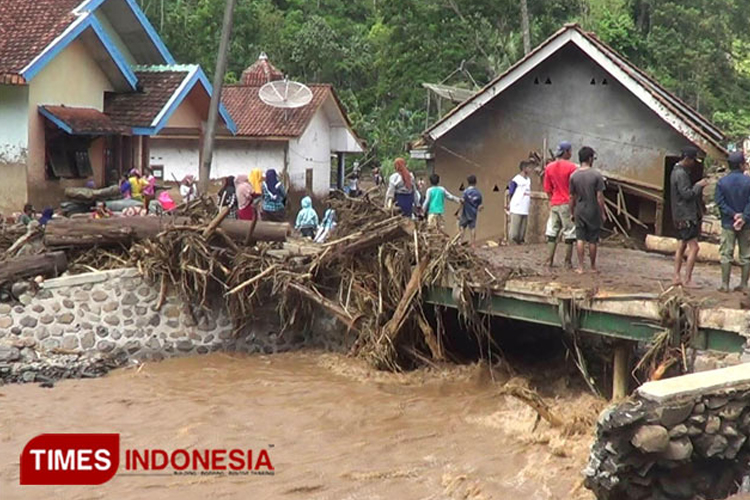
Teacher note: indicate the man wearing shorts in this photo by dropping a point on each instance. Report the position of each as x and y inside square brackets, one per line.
[556, 185]
[686, 214]
[587, 206]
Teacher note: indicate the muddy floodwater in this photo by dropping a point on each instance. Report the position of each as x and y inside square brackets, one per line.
[334, 428]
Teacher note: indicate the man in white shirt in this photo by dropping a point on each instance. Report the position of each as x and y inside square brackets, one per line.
[519, 190]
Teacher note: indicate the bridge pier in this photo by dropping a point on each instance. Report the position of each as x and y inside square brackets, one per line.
[621, 370]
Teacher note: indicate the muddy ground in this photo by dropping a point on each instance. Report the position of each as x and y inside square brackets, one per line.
[621, 271]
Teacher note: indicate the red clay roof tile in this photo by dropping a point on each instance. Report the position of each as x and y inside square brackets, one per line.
[27, 27]
[139, 109]
[84, 121]
[254, 118]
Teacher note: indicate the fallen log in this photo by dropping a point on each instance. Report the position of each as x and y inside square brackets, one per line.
[395, 230]
[92, 195]
[90, 232]
[707, 252]
[49, 265]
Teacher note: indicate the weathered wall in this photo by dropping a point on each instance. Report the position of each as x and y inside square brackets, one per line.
[232, 156]
[312, 150]
[114, 312]
[13, 146]
[684, 437]
[73, 78]
[629, 138]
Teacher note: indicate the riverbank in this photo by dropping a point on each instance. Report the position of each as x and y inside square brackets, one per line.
[339, 429]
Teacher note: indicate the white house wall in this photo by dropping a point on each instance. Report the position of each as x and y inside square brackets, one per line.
[179, 157]
[312, 150]
[231, 157]
[14, 116]
[342, 141]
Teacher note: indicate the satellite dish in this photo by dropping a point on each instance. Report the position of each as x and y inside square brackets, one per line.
[285, 94]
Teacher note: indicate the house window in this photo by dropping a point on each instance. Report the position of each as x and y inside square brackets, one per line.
[68, 158]
[158, 171]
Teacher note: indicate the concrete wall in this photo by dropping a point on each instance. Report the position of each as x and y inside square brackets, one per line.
[232, 156]
[684, 437]
[114, 312]
[13, 146]
[72, 78]
[629, 138]
[312, 150]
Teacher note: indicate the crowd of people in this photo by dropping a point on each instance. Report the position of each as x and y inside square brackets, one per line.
[575, 195]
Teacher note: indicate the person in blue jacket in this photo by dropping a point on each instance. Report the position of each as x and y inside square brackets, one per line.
[307, 219]
[733, 199]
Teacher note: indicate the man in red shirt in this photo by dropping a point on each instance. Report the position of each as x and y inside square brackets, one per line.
[557, 185]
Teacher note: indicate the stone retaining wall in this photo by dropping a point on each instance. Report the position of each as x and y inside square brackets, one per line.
[684, 437]
[114, 313]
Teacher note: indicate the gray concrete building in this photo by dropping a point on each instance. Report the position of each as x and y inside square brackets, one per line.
[572, 87]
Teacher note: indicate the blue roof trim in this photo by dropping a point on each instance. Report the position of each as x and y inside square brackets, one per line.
[144, 131]
[58, 46]
[231, 126]
[198, 76]
[155, 38]
[51, 51]
[114, 53]
[60, 124]
[92, 5]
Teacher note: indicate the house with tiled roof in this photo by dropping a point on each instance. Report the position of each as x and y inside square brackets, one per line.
[572, 87]
[85, 85]
[309, 143]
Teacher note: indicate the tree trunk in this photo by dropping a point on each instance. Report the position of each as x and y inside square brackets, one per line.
[92, 195]
[708, 252]
[525, 26]
[90, 232]
[49, 265]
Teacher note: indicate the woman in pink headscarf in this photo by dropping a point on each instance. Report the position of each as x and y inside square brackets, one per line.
[245, 198]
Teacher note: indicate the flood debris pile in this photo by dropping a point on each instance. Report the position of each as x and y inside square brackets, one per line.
[369, 277]
[695, 447]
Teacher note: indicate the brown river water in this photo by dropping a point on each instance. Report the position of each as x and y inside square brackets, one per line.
[338, 430]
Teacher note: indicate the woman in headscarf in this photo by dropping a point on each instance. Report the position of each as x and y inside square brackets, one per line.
[256, 180]
[274, 198]
[401, 189]
[228, 196]
[245, 198]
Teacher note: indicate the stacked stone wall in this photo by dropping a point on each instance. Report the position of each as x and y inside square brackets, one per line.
[685, 437]
[115, 314]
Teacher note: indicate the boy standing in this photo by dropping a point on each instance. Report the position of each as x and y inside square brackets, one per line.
[434, 202]
[471, 204]
[733, 199]
[686, 214]
[587, 206]
[556, 185]
[519, 190]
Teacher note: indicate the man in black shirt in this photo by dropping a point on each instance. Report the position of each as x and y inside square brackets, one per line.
[686, 214]
[587, 206]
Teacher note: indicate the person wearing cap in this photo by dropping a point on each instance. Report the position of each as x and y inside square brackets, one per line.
[686, 214]
[556, 185]
[733, 200]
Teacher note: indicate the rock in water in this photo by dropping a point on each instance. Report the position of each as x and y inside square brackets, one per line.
[651, 439]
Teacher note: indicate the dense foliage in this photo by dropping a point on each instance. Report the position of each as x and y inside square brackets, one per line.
[378, 52]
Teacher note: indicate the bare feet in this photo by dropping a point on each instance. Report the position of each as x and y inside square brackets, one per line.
[676, 281]
[595, 270]
[690, 285]
[580, 270]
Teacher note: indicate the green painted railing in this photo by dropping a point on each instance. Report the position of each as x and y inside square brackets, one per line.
[595, 322]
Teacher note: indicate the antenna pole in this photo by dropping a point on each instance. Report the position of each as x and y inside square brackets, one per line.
[213, 111]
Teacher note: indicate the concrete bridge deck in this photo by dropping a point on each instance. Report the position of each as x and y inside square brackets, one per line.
[623, 301]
